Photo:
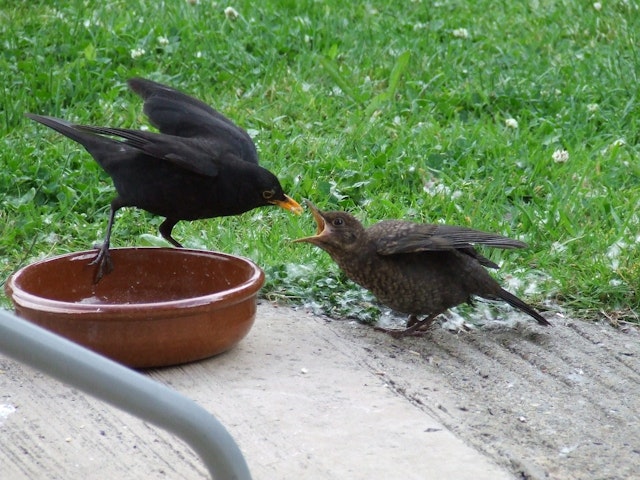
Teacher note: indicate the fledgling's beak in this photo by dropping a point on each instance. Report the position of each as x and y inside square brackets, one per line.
[322, 229]
[289, 204]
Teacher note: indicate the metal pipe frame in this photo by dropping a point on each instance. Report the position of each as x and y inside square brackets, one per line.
[127, 390]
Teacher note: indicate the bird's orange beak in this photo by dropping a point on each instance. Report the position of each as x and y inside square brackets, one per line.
[320, 223]
[289, 204]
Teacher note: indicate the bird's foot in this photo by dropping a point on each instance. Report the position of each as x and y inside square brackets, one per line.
[412, 320]
[103, 262]
[400, 332]
[415, 327]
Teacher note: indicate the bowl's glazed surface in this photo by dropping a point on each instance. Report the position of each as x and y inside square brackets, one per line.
[158, 307]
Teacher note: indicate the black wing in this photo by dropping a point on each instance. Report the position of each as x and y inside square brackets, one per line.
[176, 150]
[178, 114]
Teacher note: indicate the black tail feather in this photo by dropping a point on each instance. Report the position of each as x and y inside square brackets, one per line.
[67, 129]
[520, 305]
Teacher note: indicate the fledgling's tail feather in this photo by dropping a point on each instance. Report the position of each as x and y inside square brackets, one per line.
[515, 302]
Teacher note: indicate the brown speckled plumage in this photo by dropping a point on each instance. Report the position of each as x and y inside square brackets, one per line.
[414, 268]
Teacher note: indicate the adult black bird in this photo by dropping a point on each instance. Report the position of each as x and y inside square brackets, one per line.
[414, 268]
[200, 165]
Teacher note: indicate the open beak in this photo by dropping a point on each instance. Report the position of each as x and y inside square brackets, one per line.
[289, 204]
[320, 223]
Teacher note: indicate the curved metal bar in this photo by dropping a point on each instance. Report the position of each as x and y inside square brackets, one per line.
[127, 390]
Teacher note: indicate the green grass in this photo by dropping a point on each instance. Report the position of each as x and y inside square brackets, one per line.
[385, 109]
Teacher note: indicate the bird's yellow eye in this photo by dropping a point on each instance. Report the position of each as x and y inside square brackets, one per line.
[268, 194]
[338, 221]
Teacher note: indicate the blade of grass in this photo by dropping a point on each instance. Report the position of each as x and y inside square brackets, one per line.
[400, 66]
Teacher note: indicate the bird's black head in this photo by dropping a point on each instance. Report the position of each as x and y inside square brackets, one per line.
[266, 186]
[338, 232]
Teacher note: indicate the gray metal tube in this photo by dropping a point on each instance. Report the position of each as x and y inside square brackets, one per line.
[127, 390]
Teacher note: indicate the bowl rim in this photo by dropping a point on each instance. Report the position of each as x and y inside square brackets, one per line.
[238, 293]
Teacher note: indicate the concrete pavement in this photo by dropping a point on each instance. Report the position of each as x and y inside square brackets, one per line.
[296, 394]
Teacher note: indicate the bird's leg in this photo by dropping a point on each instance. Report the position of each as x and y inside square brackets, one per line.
[415, 327]
[412, 320]
[165, 231]
[104, 262]
[103, 259]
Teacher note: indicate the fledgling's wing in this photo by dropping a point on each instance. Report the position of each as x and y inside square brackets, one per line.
[393, 237]
[178, 114]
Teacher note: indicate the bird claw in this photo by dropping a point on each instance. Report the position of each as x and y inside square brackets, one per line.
[403, 332]
[104, 263]
[412, 321]
[415, 327]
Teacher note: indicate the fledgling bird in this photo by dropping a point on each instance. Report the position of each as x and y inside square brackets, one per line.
[414, 268]
[200, 165]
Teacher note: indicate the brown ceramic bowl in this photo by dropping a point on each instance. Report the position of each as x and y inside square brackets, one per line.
[159, 306]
